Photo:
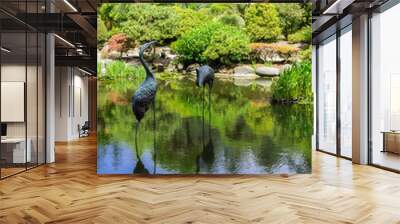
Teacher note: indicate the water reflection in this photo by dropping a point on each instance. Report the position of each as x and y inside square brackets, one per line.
[236, 130]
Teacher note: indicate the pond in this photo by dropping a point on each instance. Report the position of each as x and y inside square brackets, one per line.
[236, 131]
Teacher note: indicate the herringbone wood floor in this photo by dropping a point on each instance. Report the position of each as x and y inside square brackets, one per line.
[70, 191]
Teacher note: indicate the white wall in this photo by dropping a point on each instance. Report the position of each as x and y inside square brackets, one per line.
[71, 102]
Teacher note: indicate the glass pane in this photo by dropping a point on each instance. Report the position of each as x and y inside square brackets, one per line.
[32, 96]
[41, 99]
[386, 89]
[346, 93]
[13, 86]
[327, 96]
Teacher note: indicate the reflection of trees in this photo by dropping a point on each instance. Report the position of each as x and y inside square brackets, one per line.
[241, 119]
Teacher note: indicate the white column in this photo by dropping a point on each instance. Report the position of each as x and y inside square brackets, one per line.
[50, 110]
[360, 90]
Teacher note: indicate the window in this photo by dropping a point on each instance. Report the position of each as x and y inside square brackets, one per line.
[385, 89]
[327, 96]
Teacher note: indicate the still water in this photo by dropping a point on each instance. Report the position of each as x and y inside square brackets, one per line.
[236, 131]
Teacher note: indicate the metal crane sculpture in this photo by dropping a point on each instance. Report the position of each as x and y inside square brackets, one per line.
[205, 75]
[207, 156]
[141, 100]
[145, 94]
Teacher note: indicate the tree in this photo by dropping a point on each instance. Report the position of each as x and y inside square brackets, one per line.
[262, 22]
[106, 15]
[291, 18]
[120, 43]
[146, 22]
[102, 33]
[307, 14]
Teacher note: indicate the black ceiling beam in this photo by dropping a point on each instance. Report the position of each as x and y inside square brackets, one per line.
[49, 22]
[76, 61]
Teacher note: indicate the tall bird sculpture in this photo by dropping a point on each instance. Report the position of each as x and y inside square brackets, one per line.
[145, 94]
[141, 100]
[205, 75]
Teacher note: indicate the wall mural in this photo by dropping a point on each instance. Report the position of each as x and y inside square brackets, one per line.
[204, 88]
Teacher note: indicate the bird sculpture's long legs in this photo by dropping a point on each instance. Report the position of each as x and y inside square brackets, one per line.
[136, 140]
[154, 137]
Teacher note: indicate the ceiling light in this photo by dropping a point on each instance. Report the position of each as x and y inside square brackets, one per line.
[70, 5]
[5, 50]
[64, 40]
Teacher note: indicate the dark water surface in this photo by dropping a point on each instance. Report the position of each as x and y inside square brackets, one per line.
[238, 132]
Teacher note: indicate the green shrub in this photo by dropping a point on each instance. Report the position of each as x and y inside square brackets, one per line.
[99, 69]
[189, 19]
[232, 20]
[294, 84]
[119, 69]
[303, 35]
[217, 9]
[102, 33]
[147, 22]
[306, 54]
[228, 45]
[212, 42]
[262, 22]
[192, 44]
[291, 17]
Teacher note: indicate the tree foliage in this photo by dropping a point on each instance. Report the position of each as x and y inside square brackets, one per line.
[119, 42]
[303, 35]
[262, 22]
[212, 42]
[291, 18]
[146, 22]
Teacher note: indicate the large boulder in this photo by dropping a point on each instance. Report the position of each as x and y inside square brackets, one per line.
[244, 72]
[267, 71]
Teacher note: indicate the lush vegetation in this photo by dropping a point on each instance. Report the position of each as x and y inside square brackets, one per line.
[119, 69]
[262, 22]
[222, 35]
[294, 84]
[195, 23]
[213, 42]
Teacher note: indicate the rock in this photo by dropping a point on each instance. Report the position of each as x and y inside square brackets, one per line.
[243, 70]
[192, 68]
[180, 67]
[159, 67]
[171, 68]
[267, 71]
[133, 53]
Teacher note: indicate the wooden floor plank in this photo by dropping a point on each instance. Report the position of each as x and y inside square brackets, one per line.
[70, 191]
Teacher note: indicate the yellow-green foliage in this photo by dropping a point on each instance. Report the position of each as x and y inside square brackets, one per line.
[212, 42]
[262, 22]
[291, 17]
[303, 35]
